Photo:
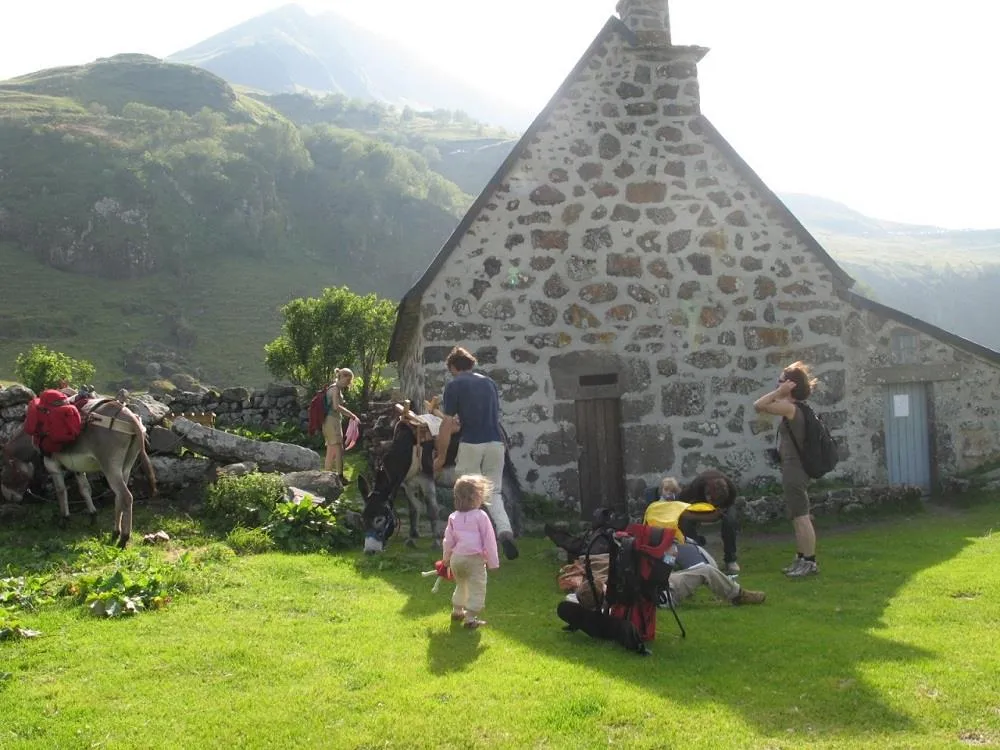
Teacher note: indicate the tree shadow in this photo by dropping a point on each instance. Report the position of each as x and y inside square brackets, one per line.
[812, 676]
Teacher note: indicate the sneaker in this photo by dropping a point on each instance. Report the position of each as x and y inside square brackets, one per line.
[474, 623]
[457, 616]
[803, 569]
[509, 548]
[789, 568]
[733, 568]
[749, 597]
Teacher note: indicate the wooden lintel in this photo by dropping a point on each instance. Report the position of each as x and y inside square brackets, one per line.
[913, 374]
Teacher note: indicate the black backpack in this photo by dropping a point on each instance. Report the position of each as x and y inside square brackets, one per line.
[818, 453]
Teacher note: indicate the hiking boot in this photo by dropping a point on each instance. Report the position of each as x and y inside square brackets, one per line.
[733, 568]
[506, 539]
[474, 623]
[803, 569]
[789, 568]
[749, 597]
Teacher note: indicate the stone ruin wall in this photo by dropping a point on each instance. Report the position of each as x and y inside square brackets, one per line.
[261, 407]
[624, 231]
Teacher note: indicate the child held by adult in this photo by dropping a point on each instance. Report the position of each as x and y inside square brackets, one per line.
[470, 548]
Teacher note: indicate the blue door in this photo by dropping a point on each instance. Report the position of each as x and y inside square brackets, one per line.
[907, 444]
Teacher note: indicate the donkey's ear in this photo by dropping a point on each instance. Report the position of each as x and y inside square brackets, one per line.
[363, 485]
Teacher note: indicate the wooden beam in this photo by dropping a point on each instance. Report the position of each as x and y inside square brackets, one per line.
[912, 374]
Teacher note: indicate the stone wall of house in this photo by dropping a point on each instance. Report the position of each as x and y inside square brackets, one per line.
[626, 239]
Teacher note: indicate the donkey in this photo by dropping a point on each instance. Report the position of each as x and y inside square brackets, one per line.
[408, 464]
[112, 439]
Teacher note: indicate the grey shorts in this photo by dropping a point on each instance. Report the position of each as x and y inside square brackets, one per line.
[795, 483]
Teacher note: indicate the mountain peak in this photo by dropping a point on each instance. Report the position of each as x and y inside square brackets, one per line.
[288, 50]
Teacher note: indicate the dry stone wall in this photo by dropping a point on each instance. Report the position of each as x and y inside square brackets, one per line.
[627, 236]
[263, 407]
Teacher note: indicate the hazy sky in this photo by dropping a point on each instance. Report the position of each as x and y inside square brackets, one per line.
[889, 106]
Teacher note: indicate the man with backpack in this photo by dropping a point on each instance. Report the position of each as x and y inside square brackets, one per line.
[805, 450]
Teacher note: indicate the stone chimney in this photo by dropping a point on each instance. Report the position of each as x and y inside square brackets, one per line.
[649, 20]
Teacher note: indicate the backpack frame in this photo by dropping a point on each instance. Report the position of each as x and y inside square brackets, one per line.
[636, 578]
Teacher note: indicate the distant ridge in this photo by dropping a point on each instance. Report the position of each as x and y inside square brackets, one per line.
[289, 50]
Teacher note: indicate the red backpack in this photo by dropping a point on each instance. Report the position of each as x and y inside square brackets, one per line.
[52, 421]
[318, 409]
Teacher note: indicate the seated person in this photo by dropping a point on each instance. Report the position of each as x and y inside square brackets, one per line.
[710, 497]
[681, 584]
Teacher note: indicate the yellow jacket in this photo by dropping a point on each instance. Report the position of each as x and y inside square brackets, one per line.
[667, 514]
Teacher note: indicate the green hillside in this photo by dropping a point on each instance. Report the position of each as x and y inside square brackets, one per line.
[184, 224]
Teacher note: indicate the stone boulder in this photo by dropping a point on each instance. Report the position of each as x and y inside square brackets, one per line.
[237, 470]
[324, 483]
[15, 395]
[173, 472]
[148, 409]
[224, 447]
[163, 441]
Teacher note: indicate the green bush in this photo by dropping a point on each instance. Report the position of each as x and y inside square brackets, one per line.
[246, 500]
[305, 527]
[250, 541]
[43, 368]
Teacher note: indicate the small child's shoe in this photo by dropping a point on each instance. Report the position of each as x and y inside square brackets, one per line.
[457, 616]
[474, 623]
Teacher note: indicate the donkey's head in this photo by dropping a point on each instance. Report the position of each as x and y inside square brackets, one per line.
[17, 467]
[378, 517]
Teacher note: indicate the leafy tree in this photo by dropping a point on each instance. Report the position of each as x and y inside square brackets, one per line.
[43, 368]
[339, 329]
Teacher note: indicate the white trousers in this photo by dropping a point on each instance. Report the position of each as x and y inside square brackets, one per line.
[486, 459]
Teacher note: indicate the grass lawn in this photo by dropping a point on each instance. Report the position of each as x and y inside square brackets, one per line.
[892, 646]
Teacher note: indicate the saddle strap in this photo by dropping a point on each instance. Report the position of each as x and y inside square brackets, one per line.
[115, 424]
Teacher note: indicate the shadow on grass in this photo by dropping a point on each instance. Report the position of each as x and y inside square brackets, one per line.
[453, 650]
[798, 660]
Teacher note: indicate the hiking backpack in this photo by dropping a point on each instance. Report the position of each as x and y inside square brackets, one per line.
[637, 572]
[318, 409]
[818, 452]
[53, 421]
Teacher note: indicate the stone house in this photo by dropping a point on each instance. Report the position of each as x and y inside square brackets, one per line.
[633, 286]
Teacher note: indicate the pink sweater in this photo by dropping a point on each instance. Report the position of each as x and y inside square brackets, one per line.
[470, 532]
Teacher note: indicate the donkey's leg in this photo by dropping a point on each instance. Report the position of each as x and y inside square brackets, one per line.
[429, 490]
[55, 470]
[84, 486]
[410, 489]
[123, 506]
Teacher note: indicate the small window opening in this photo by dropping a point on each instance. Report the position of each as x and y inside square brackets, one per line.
[610, 378]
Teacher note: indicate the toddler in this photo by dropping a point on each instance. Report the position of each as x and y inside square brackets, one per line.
[470, 547]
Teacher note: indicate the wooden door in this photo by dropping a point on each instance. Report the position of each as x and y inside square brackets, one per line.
[907, 444]
[602, 467]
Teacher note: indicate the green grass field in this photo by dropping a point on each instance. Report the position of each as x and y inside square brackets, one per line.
[892, 646]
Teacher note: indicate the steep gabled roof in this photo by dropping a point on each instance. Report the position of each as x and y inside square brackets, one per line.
[841, 279]
[408, 312]
[952, 339]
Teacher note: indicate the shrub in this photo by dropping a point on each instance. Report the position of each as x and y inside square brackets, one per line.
[25, 593]
[306, 527]
[43, 368]
[250, 541]
[246, 500]
[123, 592]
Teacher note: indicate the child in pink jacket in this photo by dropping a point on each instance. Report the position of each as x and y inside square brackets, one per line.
[470, 547]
